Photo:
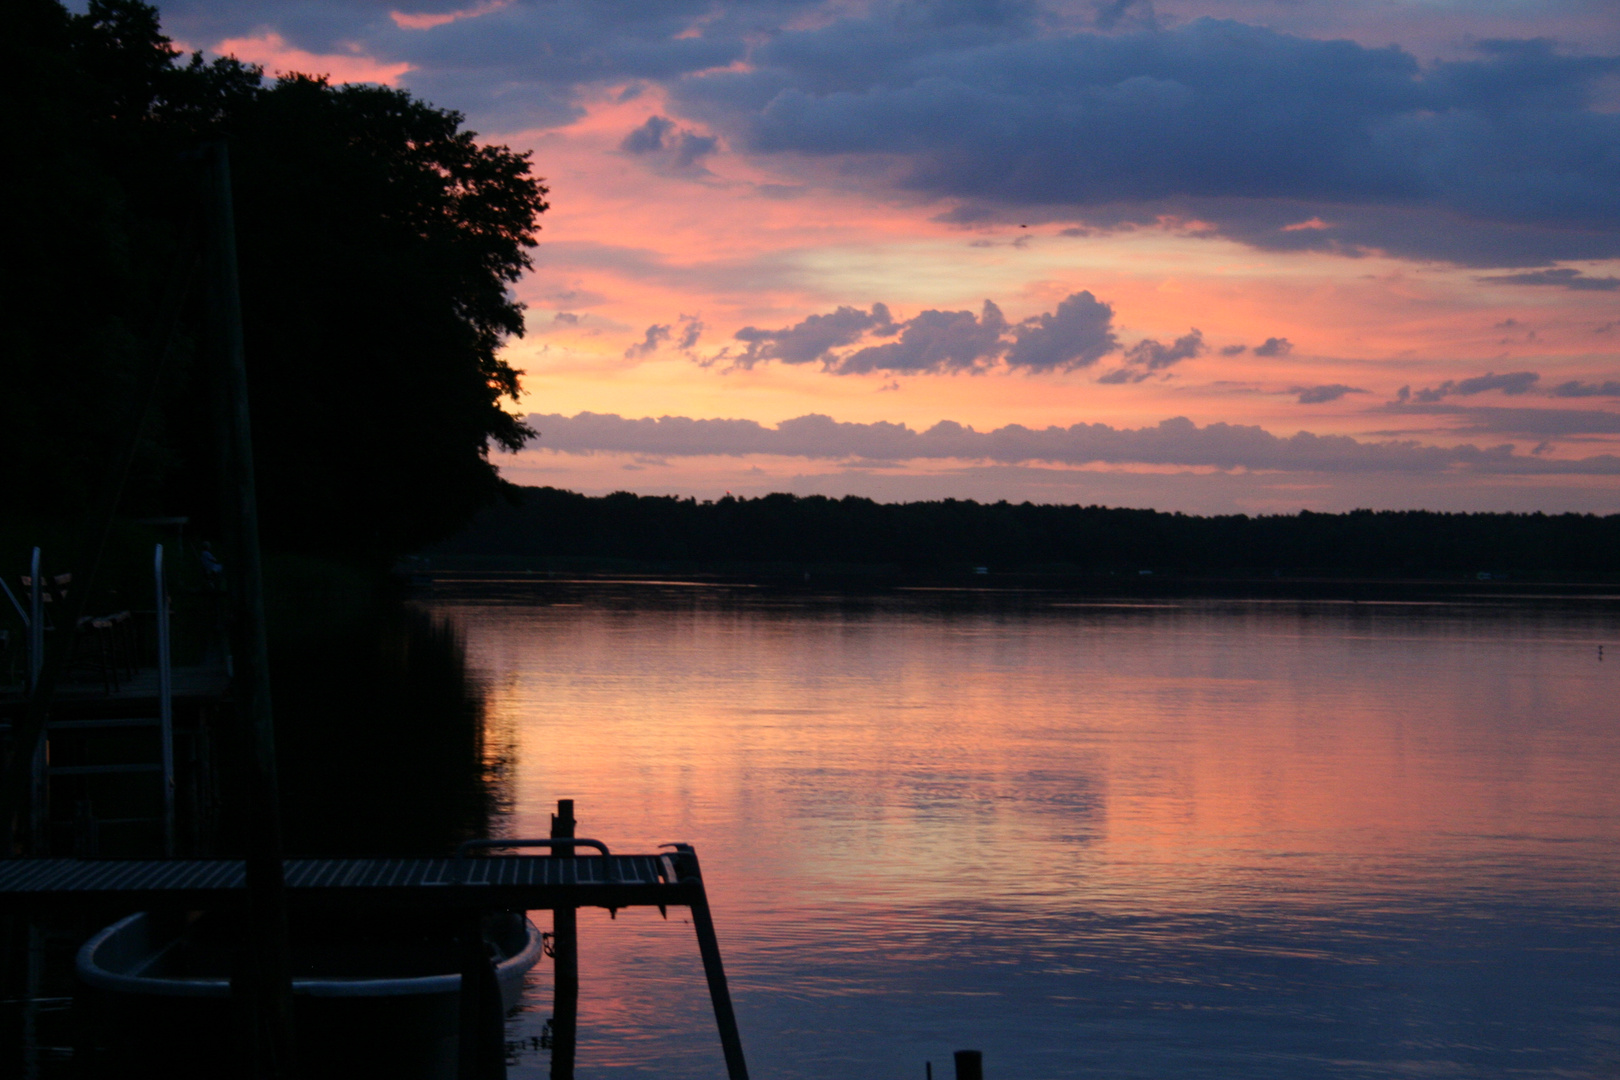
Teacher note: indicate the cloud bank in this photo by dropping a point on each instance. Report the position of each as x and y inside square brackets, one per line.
[1276, 140]
[1175, 442]
[1012, 110]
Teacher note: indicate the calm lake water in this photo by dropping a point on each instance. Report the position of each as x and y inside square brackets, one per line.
[1181, 839]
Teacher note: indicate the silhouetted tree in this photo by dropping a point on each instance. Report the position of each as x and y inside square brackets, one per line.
[781, 531]
[377, 239]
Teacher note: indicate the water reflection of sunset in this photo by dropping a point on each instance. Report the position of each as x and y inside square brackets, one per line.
[872, 783]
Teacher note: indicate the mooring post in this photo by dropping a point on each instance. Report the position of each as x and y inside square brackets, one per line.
[39, 805]
[482, 1037]
[970, 1065]
[269, 975]
[725, 1018]
[165, 699]
[565, 957]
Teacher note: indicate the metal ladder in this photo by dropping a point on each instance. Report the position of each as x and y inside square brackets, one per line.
[44, 771]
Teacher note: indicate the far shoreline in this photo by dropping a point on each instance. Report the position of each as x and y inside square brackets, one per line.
[455, 578]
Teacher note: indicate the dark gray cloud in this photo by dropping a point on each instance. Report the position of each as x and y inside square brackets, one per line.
[522, 64]
[649, 137]
[1234, 350]
[935, 341]
[1154, 356]
[1149, 355]
[816, 337]
[1076, 335]
[691, 331]
[676, 147]
[656, 335]
[1513, 382]
[1577, 389]
[1563, 278]
[1280, 141]
[1177, 442]
[1096, 117]
[1274, 346]
[1318, 395]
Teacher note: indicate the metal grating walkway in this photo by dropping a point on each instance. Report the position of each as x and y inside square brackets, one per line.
[532, 882]
[463, 883]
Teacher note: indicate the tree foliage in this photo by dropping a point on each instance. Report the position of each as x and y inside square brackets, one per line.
[786, 530]
[377, 240]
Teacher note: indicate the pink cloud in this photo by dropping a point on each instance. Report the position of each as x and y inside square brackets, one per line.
[428, 20]
[272, 51]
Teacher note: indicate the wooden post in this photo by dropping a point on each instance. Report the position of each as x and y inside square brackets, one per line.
[969, 1065]
[268, 981]
[565, 950]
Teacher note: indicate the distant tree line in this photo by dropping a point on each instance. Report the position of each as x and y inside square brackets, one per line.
[376, 240]
[780, 530]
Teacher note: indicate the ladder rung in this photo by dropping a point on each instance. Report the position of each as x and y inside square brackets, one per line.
[82, 725]
[92, 770]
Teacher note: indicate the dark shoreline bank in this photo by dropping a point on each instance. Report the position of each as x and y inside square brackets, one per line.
[519, 582]
[857, 543]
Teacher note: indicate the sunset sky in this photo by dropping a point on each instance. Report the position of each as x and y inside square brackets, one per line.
[1205, 255]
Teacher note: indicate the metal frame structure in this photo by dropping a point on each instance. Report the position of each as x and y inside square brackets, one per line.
[457, 884]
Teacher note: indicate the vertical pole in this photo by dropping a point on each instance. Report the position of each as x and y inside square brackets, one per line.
[39, 792]
[36, 622]
[565, 947]
[33, 986]
[970, 1065]
[165, 699]
[268, 981]
[481, 1048]
[725, 1018]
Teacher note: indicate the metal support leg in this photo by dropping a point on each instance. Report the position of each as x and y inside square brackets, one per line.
[725, 1018]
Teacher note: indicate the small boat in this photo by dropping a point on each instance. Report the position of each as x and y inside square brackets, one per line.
[379, 995]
